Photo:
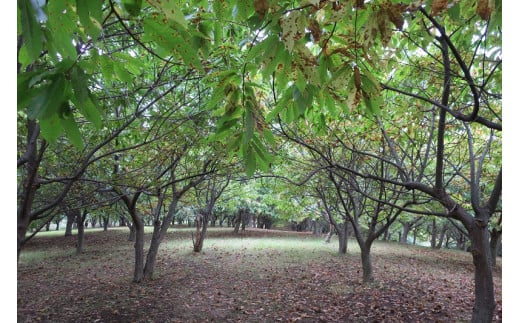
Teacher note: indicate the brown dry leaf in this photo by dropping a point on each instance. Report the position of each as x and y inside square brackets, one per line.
[439, 6]
[315, 29]
[485, 8]
[261, 7]
[357, 78]
[395, 15]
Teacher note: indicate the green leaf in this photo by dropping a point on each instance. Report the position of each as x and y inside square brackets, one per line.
[235, 142]
[245, 9]
[265, 158]
[82, 97]
[51, 128]
[122, 73]
[454, 12]
[171, 10]
[249, 126]
[188, 54]
[250, 160]
[88, 11]
[301, 81]
[49, 98]
[31, 31]
[72, 131]
[171, 40]
[269, 137]
[133, 7]
[61, 29]
[107, 68]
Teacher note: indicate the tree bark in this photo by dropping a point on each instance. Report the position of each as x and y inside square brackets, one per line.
[30, 184]
[105, 223]
[238, 220]
[81, 230]
[343, 238]
[366, 262]
[200, 235]
[139, 250]
[71, 216]
[441, 236]
[132, 234]
[484, 306]
[159, 231]
[404, 236]
[330, 233]
[433, 241]
[493, 244]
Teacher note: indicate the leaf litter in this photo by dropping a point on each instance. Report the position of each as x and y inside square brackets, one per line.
[244, 283]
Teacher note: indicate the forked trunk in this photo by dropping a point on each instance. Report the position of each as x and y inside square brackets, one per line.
[200, 235]
[153, 250]
[159, 231]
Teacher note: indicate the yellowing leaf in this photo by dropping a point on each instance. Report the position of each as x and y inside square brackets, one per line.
[292, 29]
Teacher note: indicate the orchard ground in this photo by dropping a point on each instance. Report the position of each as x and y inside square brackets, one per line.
[254, 276]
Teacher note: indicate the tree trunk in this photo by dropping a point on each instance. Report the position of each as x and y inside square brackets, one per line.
[238, 219]
[461, 242]
[343, 238]
[30, 185]
[330, 233]
[122, 221]
[153, 250]
[245, 218]
[48, 226]
[81, 230]
[441, 236]
[105, 223]
[447, 243]
[22, 225]
[131, 235]
[139, 251]
[493, 244]
[484, 305]
[433, 241]
[200, 234]
[404, 236]
[159, 231]
[386, 235]
[367, 264]
[70, 221]
[316, 228]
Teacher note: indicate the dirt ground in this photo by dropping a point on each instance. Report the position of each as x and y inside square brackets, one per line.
[249, 282]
